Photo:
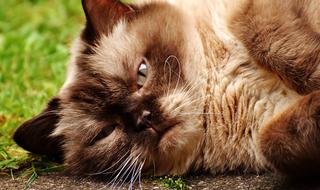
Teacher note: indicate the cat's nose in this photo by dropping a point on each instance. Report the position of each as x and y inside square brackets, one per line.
[144, 120]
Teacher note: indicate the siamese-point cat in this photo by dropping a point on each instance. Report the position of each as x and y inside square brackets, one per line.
[171, 87]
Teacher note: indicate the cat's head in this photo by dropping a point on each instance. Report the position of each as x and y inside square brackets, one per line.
[133, 97]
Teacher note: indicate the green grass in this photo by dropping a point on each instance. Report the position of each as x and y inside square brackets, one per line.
[35, 36]
[174, 182]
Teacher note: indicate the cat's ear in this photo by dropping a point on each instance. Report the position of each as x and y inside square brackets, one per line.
[34, 134]
[102, 15]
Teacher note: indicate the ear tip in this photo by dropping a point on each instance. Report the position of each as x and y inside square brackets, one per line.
[39, 141]
[19, 135]
[83, 2]
[53, 149]
[34, 134]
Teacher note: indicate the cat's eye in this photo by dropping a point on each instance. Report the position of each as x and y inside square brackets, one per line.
[106, 131]
[142, 73]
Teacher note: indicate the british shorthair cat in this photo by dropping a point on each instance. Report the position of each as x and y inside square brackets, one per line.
[170, 87]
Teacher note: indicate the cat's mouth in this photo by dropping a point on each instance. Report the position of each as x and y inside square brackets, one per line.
[162, 130]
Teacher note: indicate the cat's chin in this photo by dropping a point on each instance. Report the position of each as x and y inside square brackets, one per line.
[165, 152]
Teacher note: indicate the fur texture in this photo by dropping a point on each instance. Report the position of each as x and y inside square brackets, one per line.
[231, 85]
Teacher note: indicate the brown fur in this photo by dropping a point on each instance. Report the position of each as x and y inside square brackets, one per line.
[290, 142]
[282, 37]
[223, 90]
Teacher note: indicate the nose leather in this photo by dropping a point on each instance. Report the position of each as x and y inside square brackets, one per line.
[144, 120]
[145, 114]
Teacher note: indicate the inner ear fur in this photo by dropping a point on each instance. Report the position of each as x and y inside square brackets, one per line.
[34, 134]
[102, 15]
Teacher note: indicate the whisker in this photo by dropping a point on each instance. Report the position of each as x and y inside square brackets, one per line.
[110, 167]
[140, 185]
[164, 71]
[110, 184]
[200, 113]
[126, 173]
[140, 170]
[171, 71]
[178, 74]
[135, 169]
[187, 103]
[119, 167]
[135, 176]
[190, 89]
[169, 79]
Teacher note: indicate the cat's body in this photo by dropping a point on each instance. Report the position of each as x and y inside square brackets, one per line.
[243, 97]
[225, 95]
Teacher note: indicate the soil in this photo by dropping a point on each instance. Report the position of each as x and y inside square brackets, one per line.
[205, 182]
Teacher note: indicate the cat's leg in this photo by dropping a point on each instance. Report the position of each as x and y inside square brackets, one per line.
[290, 142]
[283, 37]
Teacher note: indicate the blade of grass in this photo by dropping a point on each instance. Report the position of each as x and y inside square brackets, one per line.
[32, 178]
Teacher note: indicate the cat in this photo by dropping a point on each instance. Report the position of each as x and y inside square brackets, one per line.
[172, 87]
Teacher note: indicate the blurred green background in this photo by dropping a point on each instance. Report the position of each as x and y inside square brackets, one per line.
[35, 37]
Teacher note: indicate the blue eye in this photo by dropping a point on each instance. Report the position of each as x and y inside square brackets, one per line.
[142, 74]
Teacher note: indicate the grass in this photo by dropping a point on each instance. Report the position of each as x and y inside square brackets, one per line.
[35, 36]
[174, 182]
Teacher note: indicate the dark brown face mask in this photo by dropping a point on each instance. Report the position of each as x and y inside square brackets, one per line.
[99, 117]
[34, 134]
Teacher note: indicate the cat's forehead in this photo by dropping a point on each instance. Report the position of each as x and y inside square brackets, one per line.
[153, 24]
[158, 29]
[162, 21]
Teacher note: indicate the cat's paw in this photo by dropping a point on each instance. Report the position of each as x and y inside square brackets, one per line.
[290, 142]
[287, 47]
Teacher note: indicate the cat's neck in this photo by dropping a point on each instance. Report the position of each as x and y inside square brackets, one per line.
[223, 53]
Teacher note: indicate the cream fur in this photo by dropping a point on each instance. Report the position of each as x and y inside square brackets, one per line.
[243, 96]
[237, 95]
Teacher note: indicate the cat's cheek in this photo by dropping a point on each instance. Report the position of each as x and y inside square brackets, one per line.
[177, 139]
[144, 142]
[170, 139]
[179, 148]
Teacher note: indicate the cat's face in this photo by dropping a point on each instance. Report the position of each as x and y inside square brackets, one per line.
[134, 93]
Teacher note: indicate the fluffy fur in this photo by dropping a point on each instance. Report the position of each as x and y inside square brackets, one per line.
[231, 86]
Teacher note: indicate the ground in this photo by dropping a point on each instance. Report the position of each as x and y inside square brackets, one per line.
[205, 182]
